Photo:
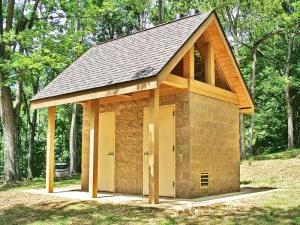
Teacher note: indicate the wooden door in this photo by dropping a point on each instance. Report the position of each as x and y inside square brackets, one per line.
[166, 151]
[106, 152]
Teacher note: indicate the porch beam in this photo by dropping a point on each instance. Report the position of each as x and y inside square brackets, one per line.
[188, 64]
[154, 147]
[85, 151]
[176, 81]
[94, 131]
[210, 65]
[213, 92]
[119, 89]
[50, 150]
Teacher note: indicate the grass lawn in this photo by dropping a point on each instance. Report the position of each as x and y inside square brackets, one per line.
[280, 207]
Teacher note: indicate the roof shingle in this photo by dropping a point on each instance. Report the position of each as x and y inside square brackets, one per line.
[137, 56]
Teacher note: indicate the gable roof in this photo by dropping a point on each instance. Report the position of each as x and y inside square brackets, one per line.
[141, 61]
[137, 56]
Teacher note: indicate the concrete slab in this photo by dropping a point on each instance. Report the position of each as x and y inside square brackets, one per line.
[74, 193]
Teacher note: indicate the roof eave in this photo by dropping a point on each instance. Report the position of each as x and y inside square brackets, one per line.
[107, 91]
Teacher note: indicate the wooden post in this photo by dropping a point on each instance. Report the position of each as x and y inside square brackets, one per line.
[210, 65]
[93, 164]
[154, 147]
[188, 64]
[50, 150]
[85, 147]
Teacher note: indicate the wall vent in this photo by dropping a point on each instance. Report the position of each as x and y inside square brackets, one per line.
[204, 180]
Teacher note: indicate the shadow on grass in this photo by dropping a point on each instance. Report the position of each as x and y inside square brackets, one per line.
[79, 213]
[65, 212]
[221, 214]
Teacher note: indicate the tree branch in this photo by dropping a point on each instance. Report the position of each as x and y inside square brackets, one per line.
[33, 15]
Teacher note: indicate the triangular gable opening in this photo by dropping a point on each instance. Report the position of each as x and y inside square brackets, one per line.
[199, 66]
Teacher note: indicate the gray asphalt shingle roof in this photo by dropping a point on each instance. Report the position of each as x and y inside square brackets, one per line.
[137, 56]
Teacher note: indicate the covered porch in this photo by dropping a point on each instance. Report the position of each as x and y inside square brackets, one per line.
[90, 179]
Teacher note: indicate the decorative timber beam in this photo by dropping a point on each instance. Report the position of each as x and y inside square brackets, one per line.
[213, 92]
[188, 64]
[210, 65]
[176, 81]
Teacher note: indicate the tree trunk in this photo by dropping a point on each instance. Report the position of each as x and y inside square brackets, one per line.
[10, 135]
[32, 122]
[160, 11]
[288, 97]
[252, 90]
[73, 142]
[242, 135]
[32, 127]
[290, 118]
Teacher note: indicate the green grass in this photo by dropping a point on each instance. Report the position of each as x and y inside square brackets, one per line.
[294, 153]
[39, 183]
[279, 207]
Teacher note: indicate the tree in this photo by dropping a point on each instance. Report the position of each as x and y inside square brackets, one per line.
[10, 101]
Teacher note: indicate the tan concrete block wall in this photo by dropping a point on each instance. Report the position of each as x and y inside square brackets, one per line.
[207, 140]
[129, 141]
[214, 140]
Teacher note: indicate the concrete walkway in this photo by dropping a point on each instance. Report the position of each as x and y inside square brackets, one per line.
[74, 193]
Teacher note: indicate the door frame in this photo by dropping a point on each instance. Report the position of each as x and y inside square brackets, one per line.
[174, 144]
[114, 151]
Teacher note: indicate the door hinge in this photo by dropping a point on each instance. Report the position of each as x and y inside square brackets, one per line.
[173, 148]
[173, 112]
[173, 183]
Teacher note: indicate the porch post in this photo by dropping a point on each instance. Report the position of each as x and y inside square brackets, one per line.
[154, 147]
[50, 150]
[85, 151]
[93, 164]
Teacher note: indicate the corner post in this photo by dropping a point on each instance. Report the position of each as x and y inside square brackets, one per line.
[94, 132]
[85, 147]
[50, 150]
[210, 65]
[154, 147]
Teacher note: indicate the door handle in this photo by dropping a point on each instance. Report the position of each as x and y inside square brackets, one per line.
[110, 153]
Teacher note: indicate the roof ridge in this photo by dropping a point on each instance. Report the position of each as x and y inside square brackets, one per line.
[159, 25]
